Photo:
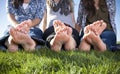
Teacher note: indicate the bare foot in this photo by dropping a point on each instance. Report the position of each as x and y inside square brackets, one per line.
[24, 39]
[84, 45]
[92, 35]
[96, 41]
[98, 27]
[65, 34]
[61, 29]
[61, 37]
[24, 27]
[12, 47]
[69, 31]
[87, 29]
[58, 25]
[70, 44]
[56, 43]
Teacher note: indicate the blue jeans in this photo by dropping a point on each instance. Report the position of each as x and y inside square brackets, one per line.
[108, 37]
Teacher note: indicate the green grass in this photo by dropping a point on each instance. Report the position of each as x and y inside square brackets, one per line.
[45, 61]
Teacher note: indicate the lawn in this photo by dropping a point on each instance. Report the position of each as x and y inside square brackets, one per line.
[45, 61]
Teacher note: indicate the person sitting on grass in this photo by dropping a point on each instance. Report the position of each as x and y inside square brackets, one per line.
[61, 36]
[25, 17]
[91, 37]
[90, 11]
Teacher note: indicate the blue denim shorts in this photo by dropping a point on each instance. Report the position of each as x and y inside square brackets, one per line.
[35, 33]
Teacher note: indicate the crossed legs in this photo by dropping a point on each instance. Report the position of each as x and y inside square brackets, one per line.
[92, 37]
[63, 36]
[17, 37]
